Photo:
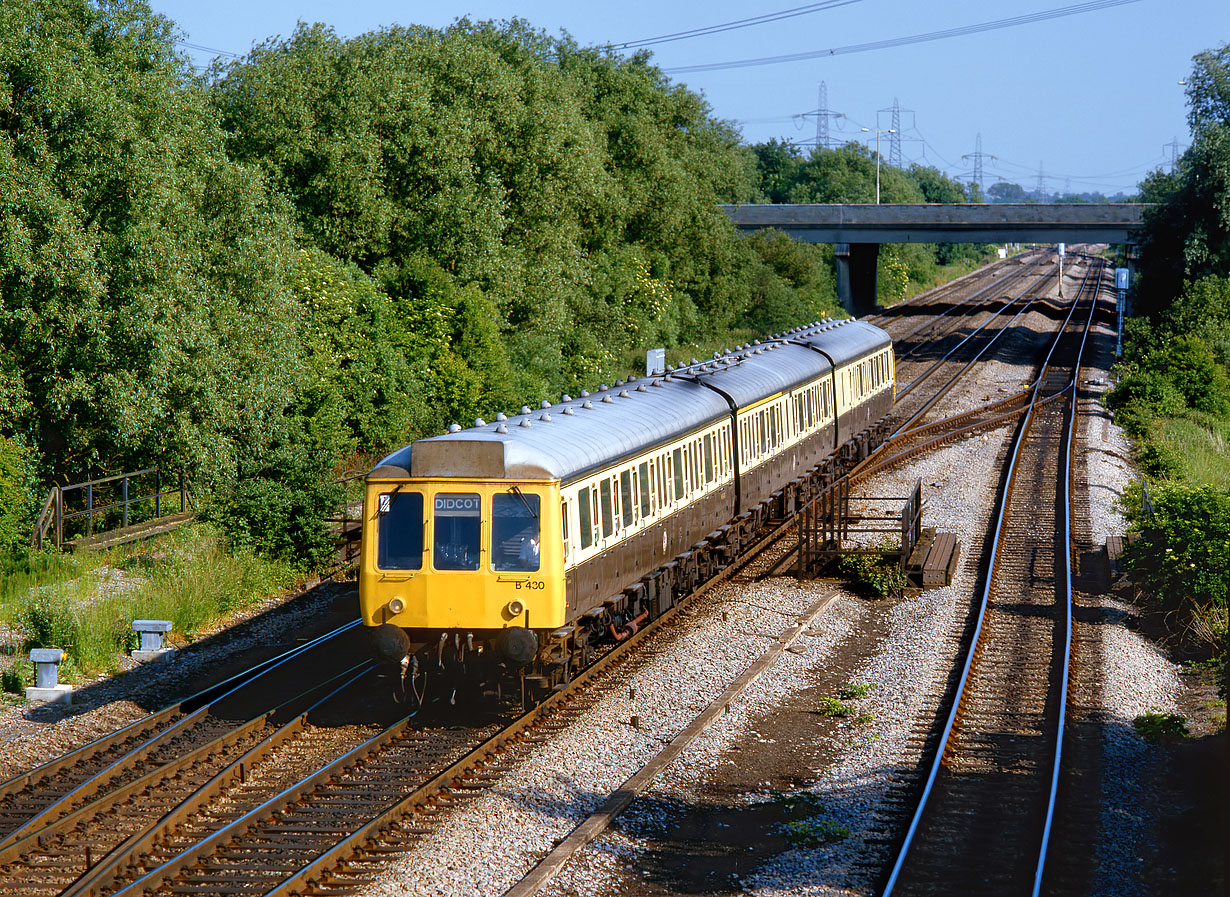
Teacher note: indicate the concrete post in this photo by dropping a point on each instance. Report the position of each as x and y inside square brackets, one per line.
[856, 276]
[151, 632]
[47, 685]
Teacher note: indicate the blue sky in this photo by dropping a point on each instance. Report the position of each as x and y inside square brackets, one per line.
[1092, 98]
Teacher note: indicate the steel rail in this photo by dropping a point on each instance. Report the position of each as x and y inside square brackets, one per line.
[997, 284]
[32, 850]
[441, 782]
[142, 728]
[1067, 456]
[106, 871]
[984, 600]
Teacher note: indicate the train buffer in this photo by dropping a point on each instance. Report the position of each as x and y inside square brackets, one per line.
[934, 559]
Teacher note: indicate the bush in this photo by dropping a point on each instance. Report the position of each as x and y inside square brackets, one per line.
[16, 504]
[1143, 396]
[814, 832]
[1154, 726]
[280, 511]
[871, 574]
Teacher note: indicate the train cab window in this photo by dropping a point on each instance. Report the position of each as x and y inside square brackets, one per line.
[709, 459]
[456, 523]
[587, 522]
[677, 460]
[563, 512]
[399, 542]
[608, 521]
[646, 498]
[515, 531]
[625, 496]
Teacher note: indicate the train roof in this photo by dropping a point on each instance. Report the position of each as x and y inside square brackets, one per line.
[567, 438]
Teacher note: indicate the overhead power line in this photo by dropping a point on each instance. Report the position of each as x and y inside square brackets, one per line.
[732, 26]
[961, 31]
[202, 49]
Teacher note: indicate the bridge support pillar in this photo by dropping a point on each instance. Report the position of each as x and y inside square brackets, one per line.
[856, 276]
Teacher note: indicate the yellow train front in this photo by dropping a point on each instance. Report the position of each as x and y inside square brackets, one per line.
[516, 545]
[461, 565]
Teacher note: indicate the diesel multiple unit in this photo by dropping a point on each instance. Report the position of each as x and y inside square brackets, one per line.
[529, 537]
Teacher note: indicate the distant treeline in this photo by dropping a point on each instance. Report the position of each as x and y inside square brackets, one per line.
[331, 246]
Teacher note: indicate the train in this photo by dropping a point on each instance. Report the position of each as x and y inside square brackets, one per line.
[516, 546]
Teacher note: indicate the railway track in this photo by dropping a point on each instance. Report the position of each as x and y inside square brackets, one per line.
[983, 820]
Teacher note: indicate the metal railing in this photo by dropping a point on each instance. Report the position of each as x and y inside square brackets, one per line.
[116, 492]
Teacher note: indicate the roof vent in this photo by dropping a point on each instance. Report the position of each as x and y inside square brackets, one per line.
[640, 387]
[587, 404]
[603, 388]
[623, 394]
[568, 411]
[758, 352]
[565, 398]
[657, 383]
[619, 383]
[755, 342]
[500, 415]
[585, 393]
[544, 404]
[670, 368]
[695, 361]
[545, 417]
[454, 428]
[525, 423]
[502, 428]
[631, 379]
[525, 409]
[479, 422]
[608, 400]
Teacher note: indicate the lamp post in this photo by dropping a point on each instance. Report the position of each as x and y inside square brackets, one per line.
[878, 131]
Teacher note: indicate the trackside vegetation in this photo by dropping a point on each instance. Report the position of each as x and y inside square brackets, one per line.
[1173, 393]
[272, 272]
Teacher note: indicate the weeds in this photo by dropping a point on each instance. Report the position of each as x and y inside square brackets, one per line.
[854, 691]
[834, 707]
[85, 603]
[1154, 727]
[814, 832]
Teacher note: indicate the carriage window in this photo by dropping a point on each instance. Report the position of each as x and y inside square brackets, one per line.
[563, 507]
[515, 531]
[608, 522]
[625, 496]
[645, 483]
[587, 523]
[457, 518]
[400, 531]
[709, 459]
[677, 459]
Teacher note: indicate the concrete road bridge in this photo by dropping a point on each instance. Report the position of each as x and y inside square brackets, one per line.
[856, 230]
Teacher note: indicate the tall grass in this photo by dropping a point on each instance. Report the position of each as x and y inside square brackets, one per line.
[1198, 448]
[80, 603]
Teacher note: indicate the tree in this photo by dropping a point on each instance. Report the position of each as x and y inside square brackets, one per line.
[142, 314]
[1002, 191]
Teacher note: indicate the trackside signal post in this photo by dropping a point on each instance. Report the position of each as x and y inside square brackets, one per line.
[1121, 288]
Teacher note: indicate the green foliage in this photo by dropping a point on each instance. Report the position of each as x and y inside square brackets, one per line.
[871, 574]
[834, 707]
[14, 681]
[1156, 727]
[1182, 555]
[279, 509]
[189, 578]
[16, 496]
[854, 691]
[814, 832]
[141, 309]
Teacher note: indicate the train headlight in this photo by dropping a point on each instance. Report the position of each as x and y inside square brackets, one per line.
[397, 605]
[515, 608]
